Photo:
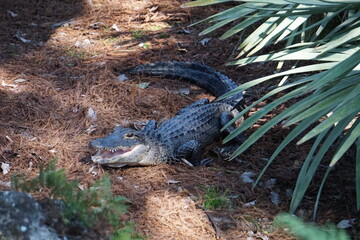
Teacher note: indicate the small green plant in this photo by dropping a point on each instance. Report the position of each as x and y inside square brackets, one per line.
[87, 206]
[213, 198]
[137, 34]
[126, 233]
[155, 28]
[309, 231]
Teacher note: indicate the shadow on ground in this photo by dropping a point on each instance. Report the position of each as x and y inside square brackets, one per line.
[50, 84]
[26, 25]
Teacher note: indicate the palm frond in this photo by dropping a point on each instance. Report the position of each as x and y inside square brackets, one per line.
[314, 30]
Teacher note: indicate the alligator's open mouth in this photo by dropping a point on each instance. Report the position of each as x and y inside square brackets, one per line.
[104, 154]
[110, 153]
[119, 157]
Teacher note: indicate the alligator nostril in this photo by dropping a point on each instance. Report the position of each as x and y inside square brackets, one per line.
[94, 143]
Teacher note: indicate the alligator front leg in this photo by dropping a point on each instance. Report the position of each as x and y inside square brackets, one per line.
[191, 151]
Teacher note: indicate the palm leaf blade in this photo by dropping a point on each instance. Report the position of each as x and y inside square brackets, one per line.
[350, 138]
[259, 114]
[311, 163]
[302, 181]
[327, 92]
[290, 137]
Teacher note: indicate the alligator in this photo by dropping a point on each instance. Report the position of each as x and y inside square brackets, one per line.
[182, 137]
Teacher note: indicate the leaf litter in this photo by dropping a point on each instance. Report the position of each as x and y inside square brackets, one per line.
[40, 119]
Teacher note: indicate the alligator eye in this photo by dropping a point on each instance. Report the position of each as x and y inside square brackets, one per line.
[130, 135]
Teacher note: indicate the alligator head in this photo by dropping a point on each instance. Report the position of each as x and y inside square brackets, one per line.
[124, 146]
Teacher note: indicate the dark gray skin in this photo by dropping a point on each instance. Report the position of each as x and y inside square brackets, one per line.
[181, 137]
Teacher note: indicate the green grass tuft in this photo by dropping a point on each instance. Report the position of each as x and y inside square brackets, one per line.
[213, 199]
[137, 34]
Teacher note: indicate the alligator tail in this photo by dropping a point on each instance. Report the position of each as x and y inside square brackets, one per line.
[199, 74]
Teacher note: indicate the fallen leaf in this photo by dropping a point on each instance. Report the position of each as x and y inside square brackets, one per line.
[12, 14]
[246, 177]
[61, 24]
[17, 35]
[250, 204]
[275, 198]
[184, 31]
[4, 84]
[91, 114]
[153, 8]
[173, 181]
[205, 41]
[346, 223]
[270, 183]
[122, 78]
[5, 168]
[114, 27]
[143, 85]
[20, 80]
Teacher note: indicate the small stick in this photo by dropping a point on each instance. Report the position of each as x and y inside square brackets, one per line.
[187, 162]
[216, 227]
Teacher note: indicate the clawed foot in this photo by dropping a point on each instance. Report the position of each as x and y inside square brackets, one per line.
[205, 162]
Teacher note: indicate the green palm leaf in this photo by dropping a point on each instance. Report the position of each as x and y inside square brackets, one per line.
[317, 30]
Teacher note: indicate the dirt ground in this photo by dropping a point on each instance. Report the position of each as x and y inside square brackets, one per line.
[59, 62]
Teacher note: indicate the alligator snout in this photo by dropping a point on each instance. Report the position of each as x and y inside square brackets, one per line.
[95, 143]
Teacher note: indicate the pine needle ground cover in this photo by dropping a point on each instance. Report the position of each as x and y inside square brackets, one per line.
[49, 85]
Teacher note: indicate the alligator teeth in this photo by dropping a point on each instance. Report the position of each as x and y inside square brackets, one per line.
[110, 149]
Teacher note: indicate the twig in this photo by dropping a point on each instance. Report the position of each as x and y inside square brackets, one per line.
[216, 227]
[186, 162]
